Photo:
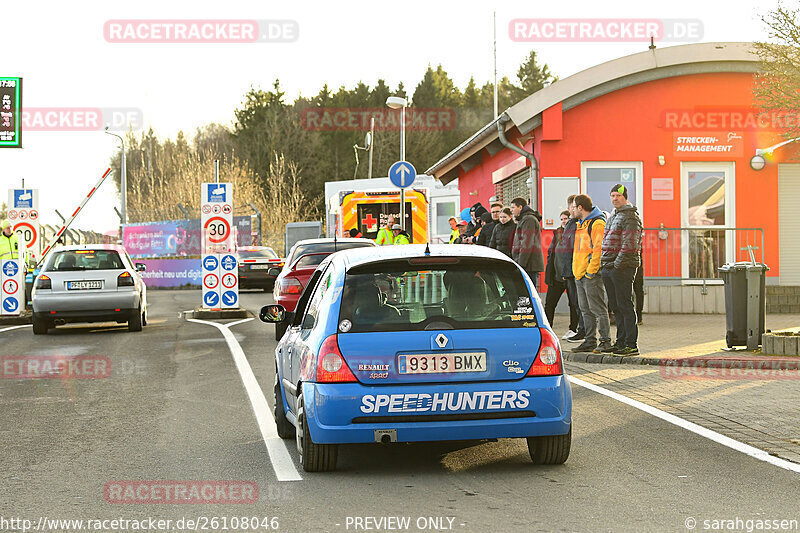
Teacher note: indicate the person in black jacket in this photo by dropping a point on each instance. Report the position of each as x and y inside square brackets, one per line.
[503, 234]
[566, 248]
[621, 258]
[474, 226]
[553, 276]
[527, 247]
[486, 231]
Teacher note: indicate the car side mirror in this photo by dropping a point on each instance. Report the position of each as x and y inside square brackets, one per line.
[140, 267]
[274, 271]
[272, 314]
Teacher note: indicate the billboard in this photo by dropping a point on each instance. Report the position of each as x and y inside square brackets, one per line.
[10, 112]
[175, 238]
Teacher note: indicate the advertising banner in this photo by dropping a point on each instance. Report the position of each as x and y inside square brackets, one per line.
[173, 238]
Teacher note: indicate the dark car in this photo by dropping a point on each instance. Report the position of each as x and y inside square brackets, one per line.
[255, 263]
[301, 262]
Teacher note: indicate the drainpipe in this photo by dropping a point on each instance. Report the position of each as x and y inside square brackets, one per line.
[501, 134]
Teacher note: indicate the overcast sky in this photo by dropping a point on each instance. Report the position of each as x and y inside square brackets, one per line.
[60, 50]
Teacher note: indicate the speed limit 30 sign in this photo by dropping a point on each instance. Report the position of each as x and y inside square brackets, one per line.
[221, 274]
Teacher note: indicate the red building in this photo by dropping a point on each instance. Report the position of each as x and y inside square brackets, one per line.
[679, 127]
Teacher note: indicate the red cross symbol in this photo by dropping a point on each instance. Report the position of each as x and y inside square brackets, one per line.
[369, 221]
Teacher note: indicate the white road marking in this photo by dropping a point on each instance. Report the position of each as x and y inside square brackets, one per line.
[231, 324]
[279, 456]
[719, 438]
[14, 327]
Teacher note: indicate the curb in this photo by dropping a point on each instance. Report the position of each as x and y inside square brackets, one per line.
[23, 318]
[221, 314]
[699, 361]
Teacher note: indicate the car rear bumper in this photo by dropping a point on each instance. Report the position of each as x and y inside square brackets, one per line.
[339, 413]
[255, 278]
[86, 304]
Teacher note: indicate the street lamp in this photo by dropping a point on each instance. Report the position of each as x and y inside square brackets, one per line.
[123, 180]
[397, 102]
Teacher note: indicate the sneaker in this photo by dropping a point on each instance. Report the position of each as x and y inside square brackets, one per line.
[577, 338]
[629, 350]
[604, 347]
[585, 346]
[569, 335]
[615, 349]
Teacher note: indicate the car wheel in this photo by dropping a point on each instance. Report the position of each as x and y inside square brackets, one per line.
[280, 329]
[550, 450]
[40, 326]
[135, 322]
[285, 428]
[313, 457]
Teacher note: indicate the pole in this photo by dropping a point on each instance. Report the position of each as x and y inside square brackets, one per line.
[494, 14]
[403, 158]
[123, 184]
[371, 144]
[216, 171]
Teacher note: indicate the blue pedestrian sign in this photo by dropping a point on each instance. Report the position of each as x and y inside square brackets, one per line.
[210, 262]
[402, 174]
[10, 268]
[211, 299]
[10, 304]
[229, 298]
[228, 262]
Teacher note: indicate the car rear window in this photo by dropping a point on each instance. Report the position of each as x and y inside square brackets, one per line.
[456, 293]
[266, 253]
[321, 248]
[84, 260]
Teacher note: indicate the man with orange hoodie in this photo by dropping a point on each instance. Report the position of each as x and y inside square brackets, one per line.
[586, 268]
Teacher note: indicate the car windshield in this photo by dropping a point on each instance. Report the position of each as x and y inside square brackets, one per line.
[460, 294]
[84, 260]
[319, 248]
[265, 253]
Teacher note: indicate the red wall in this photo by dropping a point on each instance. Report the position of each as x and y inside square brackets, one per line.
[628, 125]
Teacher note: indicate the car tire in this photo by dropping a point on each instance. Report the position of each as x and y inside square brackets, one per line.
[313, 457]
[40, 326]
[280, 329]
[144, 316]
[285, 428]
[135, 322]
[550, 450]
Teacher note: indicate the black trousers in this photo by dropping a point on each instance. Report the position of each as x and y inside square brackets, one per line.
[638, 291]
[554, 292]
[619, 289]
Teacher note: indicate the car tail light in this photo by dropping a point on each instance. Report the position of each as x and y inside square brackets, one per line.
[548, 360]
[291, 286]
[331, 366]
[125, 280]
[43, 282]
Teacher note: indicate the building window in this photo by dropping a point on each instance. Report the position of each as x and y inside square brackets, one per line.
[600, 177]
[444, 210]
[513, 187]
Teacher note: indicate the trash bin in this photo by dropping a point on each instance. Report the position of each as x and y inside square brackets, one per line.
[745, 303]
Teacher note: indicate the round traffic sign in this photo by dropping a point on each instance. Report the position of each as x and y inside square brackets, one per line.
[216, 209]
[28, 232]
[210, 299]
[402, 174]
[217, 229]
[10, 304]
[228, 280]
[206, 208]
[210, 262]
[10, 286]
[33, 214]
[227, 209]
[10, 268]
[12, 214]
[228, 262]
[210, 281]
[229, 297]
[23, 214]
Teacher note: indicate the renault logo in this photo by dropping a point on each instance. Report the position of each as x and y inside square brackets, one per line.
[441, 340]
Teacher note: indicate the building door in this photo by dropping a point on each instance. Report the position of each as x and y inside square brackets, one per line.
[707, 206]
[789, 218]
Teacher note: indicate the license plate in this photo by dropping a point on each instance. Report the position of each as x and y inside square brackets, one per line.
[80, 285]
[259, 267]
[442, 363]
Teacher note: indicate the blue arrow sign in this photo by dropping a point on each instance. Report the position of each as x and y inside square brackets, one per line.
[228, 262]
[402, 174]
[229, 298]
[210, 262]
[211, 299]
[10, 268]
[10, 304]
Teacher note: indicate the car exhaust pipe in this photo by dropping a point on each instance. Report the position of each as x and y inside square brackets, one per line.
[59, 322]
[385, 436]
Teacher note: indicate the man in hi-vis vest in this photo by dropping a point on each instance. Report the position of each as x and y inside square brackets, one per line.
[385, 235]
[9, 246]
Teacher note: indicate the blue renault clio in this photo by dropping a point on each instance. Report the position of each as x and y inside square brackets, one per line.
[419, 343]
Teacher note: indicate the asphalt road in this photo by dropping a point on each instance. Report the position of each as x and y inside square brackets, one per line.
[173, 407]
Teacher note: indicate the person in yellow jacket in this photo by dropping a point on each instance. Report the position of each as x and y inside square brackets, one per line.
[9, 246]
[586, 268]
[385, 236]
[454, 233]
[400, 236]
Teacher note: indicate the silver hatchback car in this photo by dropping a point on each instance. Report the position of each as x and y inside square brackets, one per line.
[89, 283]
